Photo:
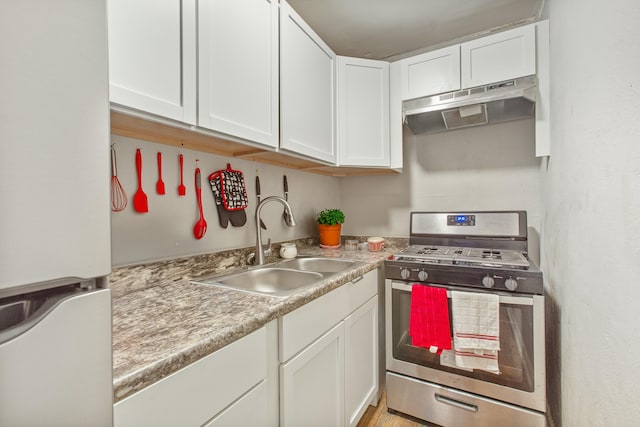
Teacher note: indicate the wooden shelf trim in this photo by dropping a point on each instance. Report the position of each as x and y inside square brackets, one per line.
[163, 133]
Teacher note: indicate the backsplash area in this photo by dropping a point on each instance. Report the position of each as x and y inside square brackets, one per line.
[166, 231]
[125, 280]
[481, 168]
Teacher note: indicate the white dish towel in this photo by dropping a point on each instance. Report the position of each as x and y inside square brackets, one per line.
[476, 330]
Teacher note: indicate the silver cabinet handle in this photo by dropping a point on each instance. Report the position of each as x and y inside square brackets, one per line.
[357, 279]
[462, 405]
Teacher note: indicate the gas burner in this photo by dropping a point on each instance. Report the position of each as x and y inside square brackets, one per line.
[491, 254]
[426, 251]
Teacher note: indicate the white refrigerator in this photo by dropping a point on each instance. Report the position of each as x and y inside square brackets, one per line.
[55, 302]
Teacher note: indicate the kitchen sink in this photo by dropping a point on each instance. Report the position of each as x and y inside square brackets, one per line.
[319, 265]
[271, 281]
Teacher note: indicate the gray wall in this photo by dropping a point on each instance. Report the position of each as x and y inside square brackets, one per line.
[591, 221]
[483, 168]
[167, 230]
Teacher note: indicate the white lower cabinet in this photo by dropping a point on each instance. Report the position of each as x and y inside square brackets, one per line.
[315, 366]
[249, 410]
[329, 357]
[361, 360]
[312, 383]
[228, 387]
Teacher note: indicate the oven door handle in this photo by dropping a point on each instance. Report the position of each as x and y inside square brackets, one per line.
[504, 299]
[452, 402]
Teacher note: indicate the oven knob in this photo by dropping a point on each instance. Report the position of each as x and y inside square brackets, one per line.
[405, 273]
[422, 275]
[511, 283]
[488, 281]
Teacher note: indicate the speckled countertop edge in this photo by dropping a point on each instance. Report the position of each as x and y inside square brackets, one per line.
[159, 329]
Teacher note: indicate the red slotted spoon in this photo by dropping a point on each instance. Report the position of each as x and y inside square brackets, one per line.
[201, 226]
[140, 202]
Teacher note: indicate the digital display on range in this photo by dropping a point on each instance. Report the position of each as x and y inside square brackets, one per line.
[461, 220]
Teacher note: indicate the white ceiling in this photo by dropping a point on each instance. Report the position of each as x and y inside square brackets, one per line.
[381, 29]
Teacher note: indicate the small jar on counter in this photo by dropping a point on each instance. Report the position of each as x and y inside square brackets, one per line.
[350, 245]
[288, 250]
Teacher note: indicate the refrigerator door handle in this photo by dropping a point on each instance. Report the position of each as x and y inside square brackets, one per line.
[18, 315]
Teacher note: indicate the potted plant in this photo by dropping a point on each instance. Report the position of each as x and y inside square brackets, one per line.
[329, 226]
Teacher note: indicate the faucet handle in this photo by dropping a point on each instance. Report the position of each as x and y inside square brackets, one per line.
[268, 251]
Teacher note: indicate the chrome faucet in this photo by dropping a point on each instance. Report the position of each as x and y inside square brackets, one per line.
[291, 222]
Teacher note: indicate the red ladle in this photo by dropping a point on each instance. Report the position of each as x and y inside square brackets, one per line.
[201, 226]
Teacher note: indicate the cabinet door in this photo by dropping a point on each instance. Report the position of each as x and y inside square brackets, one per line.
[499, 57]
[152, 56]
[430, 73]
[307, 92]
[238, 68]
[312, 384]
[361, 360]
[363, 112]
[395, 116]
[53, 60]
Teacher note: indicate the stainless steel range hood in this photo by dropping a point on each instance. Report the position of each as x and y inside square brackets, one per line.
[495, 103]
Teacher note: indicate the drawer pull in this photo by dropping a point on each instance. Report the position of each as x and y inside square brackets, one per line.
[357, 279]
[448, 401]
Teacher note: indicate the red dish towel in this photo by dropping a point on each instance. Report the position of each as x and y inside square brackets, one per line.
[429, 318]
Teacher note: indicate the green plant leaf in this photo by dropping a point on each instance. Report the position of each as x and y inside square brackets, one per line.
[330, 217]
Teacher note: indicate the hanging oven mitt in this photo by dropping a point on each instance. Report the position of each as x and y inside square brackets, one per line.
[228, 185]
[223, 214]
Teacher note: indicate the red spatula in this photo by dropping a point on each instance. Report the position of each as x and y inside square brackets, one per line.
[182, 190]
[160, 183]
[140, 203]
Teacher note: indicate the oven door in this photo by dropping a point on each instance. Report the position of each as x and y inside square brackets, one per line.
[521, 357]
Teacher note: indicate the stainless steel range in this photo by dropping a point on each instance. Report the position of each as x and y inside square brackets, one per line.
[476, 252]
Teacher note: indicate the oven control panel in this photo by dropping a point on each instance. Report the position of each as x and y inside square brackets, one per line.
[483, 278]
[461, 220]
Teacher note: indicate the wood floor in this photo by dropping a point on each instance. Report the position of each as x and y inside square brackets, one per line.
[380, 417]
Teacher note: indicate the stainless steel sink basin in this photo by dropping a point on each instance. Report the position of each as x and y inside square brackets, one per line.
[271, 281]
[320, 265]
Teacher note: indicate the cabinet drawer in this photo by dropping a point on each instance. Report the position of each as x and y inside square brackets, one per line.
[196, 393]
[302, 326]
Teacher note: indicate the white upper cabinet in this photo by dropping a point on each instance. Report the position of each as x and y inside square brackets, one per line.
[152, 58]
[430, 73]
[363, 112]
[307, 90]
[499, 57]
[238, 68]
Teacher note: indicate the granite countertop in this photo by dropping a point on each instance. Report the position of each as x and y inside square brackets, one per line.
[170, 322]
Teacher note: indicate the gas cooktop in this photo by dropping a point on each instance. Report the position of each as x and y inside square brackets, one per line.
[452, 255]
[472, 249]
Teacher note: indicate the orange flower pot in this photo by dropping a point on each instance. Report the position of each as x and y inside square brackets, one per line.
[329, 234]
